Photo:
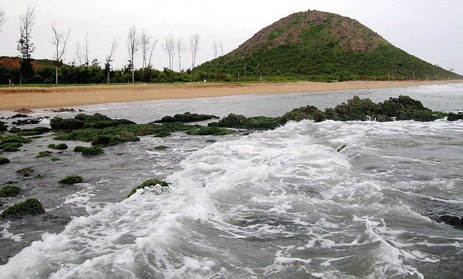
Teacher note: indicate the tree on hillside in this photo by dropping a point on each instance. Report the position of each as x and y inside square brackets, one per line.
[133, 45]
[60, 40]
[25, 46]
[194, 41]
[2, 17]
[169, 48]
[109, 59]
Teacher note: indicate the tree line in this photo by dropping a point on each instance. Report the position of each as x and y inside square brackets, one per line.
[84, 71]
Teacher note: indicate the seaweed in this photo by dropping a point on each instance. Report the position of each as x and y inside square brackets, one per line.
[160, 147]
[25, 171]
[11, 143]
[28, 207]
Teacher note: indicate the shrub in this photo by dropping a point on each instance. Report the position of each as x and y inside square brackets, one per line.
[72, 179]
[10, 191]
[4, 160]
[30, 206]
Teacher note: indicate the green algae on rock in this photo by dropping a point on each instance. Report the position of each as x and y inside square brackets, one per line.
[72, 179]
[28, 207]
[164, 186]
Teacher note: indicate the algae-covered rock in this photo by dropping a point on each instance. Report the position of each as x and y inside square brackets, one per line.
[28, 207]
[11, 143]
[211, 130]
[304, 113]
[455, 116]
[160, 147]
[163, 134]
[43, 154]
[92, 151]
[72, 179]
[33, 132]
[185, 118]
[252, 123]
[164, 186]
[4, 160]
[61, 146]
[10, 191]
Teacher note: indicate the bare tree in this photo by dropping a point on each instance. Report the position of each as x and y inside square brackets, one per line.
[133, 45]
[145, 42]
[153, 45]
[179, 51]
[79, 54]
[194, 41]
[86, 51]
[2, 17]
[109, 59]
[169, 48]
[60, 40]
[25, 46]
[215, 50]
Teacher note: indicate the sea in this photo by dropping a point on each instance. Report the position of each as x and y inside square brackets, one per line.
[356, 199]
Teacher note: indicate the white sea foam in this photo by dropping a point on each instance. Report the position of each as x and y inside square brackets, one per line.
[279, 203]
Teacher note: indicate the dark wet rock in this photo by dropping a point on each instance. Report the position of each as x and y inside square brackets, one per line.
[63, 110]
[28, 207]
[23, 110]
[32, 121]
[25, 171]
[3, 127]
[453, 221]
[21, 113]
[185, 118]
[455, 116]
[164, 186]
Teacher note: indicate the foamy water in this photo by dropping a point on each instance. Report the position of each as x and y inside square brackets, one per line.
[275, 204]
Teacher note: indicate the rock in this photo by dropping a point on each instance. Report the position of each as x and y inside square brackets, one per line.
[72, 179]
[453, 221]
[23, 110]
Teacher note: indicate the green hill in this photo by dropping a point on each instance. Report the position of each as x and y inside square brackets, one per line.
[320, 46]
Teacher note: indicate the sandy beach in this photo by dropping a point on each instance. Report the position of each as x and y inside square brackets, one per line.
[14, 98]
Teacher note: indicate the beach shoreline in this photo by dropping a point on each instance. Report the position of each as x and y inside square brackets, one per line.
[14, 98]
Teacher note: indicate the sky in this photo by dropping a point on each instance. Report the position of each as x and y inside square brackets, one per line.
[428, 29]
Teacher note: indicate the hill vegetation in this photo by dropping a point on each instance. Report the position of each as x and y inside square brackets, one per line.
[320, 46]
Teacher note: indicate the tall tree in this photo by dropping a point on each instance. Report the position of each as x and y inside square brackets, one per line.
[133, 45]
[109, 59]
[60, 40]
[145, 42]
[2, 17]
[194, 41]
[25, 46]
[179, 51]
[169, 48]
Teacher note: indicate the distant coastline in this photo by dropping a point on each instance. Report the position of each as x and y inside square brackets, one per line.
[14, 98]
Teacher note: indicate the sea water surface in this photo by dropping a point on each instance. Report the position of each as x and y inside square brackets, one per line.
[286, 203]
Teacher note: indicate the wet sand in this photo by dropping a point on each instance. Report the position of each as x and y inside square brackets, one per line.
[14, 98]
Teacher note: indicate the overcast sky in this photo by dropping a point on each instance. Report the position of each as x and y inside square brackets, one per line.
[429, 29]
